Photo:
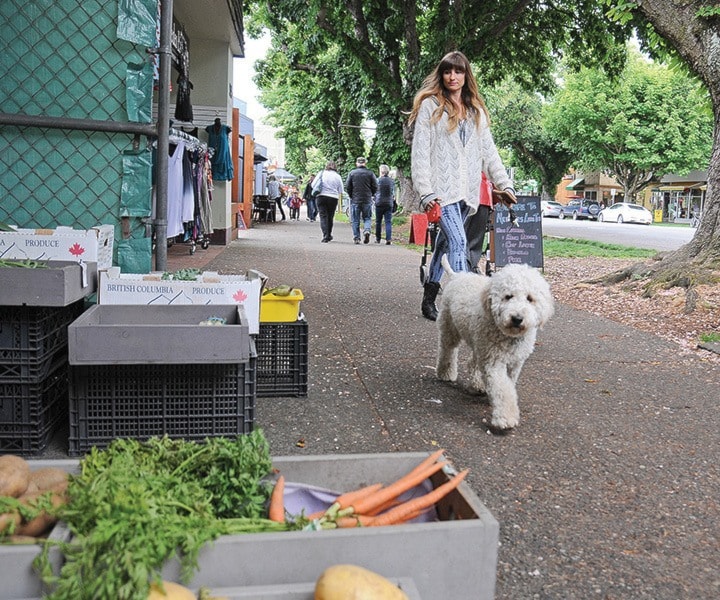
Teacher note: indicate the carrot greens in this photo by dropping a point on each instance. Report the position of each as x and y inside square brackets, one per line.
[136, 505]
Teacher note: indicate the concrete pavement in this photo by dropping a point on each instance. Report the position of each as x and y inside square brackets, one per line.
[610, 486]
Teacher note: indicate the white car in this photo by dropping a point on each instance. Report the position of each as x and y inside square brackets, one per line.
[624, 212]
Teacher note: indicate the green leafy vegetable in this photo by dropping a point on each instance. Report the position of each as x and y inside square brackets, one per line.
[135, 505]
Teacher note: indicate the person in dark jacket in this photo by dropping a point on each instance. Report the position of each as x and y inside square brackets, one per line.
[361, 186]
[310, 200]
[384, 200]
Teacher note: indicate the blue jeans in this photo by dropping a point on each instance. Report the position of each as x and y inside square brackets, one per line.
[361, 210]
[451, 241]
[312, 210]
[384, 211]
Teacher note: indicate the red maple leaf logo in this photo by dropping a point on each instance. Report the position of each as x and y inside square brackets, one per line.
[77, 250]
[240, 296]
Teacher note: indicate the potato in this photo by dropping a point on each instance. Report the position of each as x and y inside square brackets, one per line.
[173, 591]
[43, 522]
[49, 479]
[350, 582]
[14, 475]
[6, 521]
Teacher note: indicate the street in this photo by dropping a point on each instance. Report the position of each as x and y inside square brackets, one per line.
[654, 237]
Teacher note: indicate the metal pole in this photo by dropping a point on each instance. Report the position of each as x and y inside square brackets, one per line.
[78, 124]
[163, 135]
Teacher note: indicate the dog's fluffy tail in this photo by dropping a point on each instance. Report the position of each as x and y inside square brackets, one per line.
[446, 265]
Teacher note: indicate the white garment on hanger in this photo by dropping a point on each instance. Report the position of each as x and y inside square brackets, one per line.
[175, 197]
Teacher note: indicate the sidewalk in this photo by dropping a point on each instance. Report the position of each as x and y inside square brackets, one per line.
[609, 487]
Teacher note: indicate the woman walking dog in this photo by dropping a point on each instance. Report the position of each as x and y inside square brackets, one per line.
[452, 147]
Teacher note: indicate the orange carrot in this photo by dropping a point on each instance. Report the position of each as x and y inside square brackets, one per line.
[348, 498]
[395, 489]
[410, 508]
[429, 460]
[276, 510]
[383, 507]
[354, 521]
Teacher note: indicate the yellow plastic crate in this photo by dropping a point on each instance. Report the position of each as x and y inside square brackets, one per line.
[280, 309]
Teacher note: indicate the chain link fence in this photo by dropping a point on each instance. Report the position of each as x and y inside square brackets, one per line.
[62, 59]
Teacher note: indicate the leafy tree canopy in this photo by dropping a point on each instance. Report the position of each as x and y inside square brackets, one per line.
[647, 122]
[352, 61]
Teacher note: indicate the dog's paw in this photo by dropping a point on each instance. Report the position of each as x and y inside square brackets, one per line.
[504, 422]
[447, 375]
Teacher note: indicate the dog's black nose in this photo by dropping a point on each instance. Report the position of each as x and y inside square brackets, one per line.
[517, 321]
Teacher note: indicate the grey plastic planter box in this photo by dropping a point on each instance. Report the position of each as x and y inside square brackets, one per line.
[112, 334]
[59, 284]
[300, 591]
[450, 559]
[18, 579]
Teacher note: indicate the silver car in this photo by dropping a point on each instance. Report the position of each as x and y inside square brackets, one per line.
[548, 208]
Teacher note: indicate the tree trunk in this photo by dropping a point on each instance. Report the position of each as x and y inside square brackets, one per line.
[697, 41]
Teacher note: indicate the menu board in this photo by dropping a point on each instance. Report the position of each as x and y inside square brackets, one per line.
[519, 242]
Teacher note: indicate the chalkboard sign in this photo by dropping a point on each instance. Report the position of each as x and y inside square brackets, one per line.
[521, 243]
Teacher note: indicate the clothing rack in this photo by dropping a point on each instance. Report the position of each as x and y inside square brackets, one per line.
[191, 142]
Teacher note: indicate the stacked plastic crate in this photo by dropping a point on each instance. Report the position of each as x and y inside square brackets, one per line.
[138, 371]
[282, 346]
[33, 374]
[45, 276]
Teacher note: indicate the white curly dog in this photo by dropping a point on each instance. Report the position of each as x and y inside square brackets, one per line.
[498, 317]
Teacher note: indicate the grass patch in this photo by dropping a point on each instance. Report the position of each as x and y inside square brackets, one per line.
[572, 248]
[710, 337]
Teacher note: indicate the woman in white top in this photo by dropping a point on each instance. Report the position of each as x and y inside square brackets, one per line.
[329, 187]
[452, 146]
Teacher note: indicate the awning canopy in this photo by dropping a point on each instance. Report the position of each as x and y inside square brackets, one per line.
[575, 184]
[672, 188]
[282, 174]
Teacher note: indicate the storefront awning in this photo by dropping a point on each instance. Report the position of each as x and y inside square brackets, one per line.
[575, 184]
[672, 188]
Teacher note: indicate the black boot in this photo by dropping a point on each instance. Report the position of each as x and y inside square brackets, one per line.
[429, 310]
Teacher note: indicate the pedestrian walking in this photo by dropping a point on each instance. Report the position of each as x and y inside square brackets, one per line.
[452, 146]
[361, 185]
[310, 201]
[275, 194]
[328, 189]
[384, 201]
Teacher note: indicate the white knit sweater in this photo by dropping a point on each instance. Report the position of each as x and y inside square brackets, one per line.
[445, 170]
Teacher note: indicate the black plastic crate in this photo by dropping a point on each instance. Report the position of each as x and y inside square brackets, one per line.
[34, 339]
[282, 359]
[30, 413]
[183, 401]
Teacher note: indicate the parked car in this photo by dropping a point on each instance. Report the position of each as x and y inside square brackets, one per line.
[548, 208]
[580, 208]
[625, 212]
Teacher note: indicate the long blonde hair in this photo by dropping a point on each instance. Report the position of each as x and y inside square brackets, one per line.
[433, 87]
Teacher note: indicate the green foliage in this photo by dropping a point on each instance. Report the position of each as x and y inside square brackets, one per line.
[650, 120]
[335, 64]
[136, 505]
[572, 248]
[517, 124]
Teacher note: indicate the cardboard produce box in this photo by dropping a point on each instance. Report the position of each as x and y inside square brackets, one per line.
[210, 288]
[64, 243]
[454, 558]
